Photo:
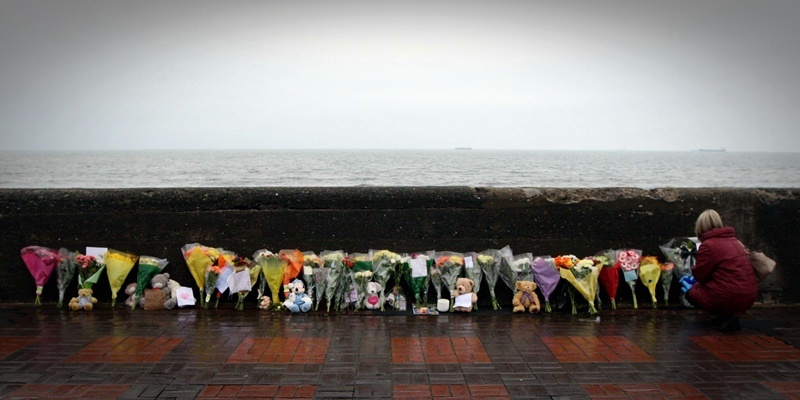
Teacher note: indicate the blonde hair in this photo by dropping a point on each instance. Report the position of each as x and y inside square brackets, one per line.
[708, 220]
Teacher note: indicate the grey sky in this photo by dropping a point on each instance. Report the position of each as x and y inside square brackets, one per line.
[672, 75]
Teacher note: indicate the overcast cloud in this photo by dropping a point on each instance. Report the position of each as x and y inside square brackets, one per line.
[638, 75]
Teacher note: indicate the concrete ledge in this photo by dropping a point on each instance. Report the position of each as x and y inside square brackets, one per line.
[404, 219]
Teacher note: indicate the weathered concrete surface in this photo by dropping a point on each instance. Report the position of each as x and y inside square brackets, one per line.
[539, 220]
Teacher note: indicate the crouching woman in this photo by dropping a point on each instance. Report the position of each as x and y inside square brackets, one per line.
[724, 281]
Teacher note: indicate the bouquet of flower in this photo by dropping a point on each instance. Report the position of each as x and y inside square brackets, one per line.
[566, 263]
[649, 272]
[507, 272]
[273, 266]
[547, 277]
[361, 274]
[609, 274]
[198, 259]
[321, 274]
[450, 264]
[489, 261]
[629, 260]
[65, 272]
[293, 268]
[522, 267]
[666, 279]
[681, 252]
[435, 273]
[222, 281]
[384, 267]
[148, 268]
[311, 262]
[89, 270]
[473, 271]
[416, 272]
[213, 273]
[583, 276]
[239, 282]
[41, 262]
[338, 279]
[118, 266]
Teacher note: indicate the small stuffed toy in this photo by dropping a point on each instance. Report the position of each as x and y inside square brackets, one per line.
[298, 300]
[526, 298]
[264, 302]
[84, 301]
[173, 293]
[373, 299]
[464, 286]
[130, 291]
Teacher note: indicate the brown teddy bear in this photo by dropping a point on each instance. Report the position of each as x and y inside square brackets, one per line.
[464, 286]
[526, 298]
[84, 300]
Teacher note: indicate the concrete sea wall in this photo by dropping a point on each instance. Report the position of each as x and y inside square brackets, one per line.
[543, 221]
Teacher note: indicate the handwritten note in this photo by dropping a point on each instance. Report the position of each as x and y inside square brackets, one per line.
[418, 267]
[468, 262]
[464, 300]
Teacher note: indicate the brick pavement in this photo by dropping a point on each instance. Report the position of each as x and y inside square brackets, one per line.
[224, 354]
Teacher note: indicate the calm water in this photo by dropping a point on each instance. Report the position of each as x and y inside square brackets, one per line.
[240, 168]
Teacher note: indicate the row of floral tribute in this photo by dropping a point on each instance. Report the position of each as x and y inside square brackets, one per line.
[343, 281]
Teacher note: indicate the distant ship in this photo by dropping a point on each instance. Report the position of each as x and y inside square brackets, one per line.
[719, 150]
[463, 148]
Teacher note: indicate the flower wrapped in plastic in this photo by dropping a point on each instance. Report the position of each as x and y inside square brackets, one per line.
[609, 274]
[450, 264]
[649, 272]
[337, 279]
[320, 282]
[507, 272]
[89, 269]
[385, 265]
[213, 273]
[583, 277]
[629, 260]
[681, 252]
[566, 263]
[546, 276]
[489, 261]
[667, 269]
[41, 263]
[311, 262]
[473, 271]
[198, 258]
[416, 272]
[64, 272]
[240, 281]
[360, 273]
[294, 267]
[273, 266]
[118, 265]
[149, 267]
[222, 282]
[435, 273]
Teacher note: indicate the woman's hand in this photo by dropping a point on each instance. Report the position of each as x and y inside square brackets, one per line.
[686, 283]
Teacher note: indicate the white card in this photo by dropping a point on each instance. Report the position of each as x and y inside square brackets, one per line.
[468, 262]
[418, 267]
[308, 270]
[99, 253]
[464, 300]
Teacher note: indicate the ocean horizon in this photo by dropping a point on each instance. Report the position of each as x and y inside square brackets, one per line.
[402, 167]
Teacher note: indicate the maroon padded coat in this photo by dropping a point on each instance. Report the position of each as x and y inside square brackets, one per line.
[726, 282]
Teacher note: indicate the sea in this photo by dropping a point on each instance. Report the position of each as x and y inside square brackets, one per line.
[456, 167]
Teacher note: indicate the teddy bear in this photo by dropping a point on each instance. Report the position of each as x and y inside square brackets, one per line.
[84, 301]
[264, 302]
[464, 286]
[373, 299]
[526, 298]
[298, 300]
[159, 297]
[130, 291]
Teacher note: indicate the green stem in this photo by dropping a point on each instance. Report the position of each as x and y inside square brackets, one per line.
[547, 306]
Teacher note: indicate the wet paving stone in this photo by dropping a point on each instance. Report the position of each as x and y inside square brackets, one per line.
[216, 354]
